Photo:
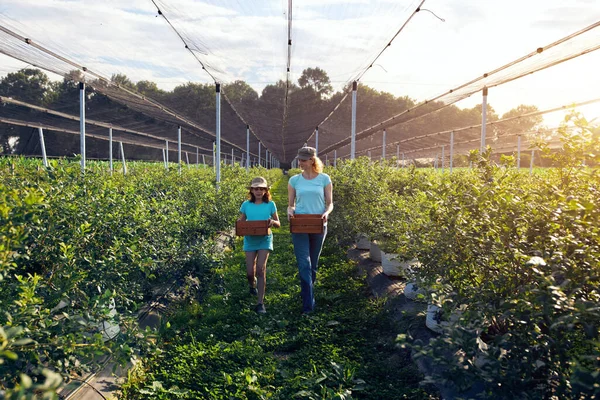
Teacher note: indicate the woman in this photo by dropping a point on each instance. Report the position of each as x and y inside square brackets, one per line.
[309, 193]
[258, 207]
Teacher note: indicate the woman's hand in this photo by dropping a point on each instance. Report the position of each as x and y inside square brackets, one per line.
[290, 212]
[325, 216]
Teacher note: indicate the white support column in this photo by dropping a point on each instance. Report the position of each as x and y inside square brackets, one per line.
[82, 124]
[187, 159]
[266, 158]
[214, 157]
[123, 158]
[518, 152]
[483, 118]
[353, 131]
[397, 154]
[326, 160]
[232, 158]
[531, 162]
[334, 158]
[383, 145]
[218, 132]
[403, 163]
[443, 156]
[179, 148]
[197, 156]
[451, 150]
[203, 161]
[369, 154]
[167, 155]
[247, 147]
[317, 140]
[110, 151]
[164, 159]
[43, 146]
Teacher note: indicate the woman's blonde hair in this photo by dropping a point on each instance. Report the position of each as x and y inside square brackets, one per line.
[318, 165]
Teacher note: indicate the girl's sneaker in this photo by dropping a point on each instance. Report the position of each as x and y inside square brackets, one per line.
[260, 308]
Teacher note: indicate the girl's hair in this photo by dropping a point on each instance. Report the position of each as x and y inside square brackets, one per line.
[318, 165]
[266, 197]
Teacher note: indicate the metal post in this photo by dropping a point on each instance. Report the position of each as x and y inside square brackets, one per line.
[443, 156]
[232, 158]
[179, 148]
[167, 154]
[218, 132]
[203, 161]
[531, 162]
[334, 158]
[317, 140]
[451, 150]
[164, 159]
[403, 163]
[266, 158]
[247, 147]
[353, 132]
[383, 145]
[214, 157]
[483, 118]
[110, 150]
[123, 158]
[82, 124]
[43, 145]
[518, 152]
[197, 156]
[187, 159]
[397, 154]
[259, 154]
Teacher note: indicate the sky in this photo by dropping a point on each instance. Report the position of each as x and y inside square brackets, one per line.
[446, 44]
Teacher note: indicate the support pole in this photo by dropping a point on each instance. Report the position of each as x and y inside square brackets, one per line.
[403, 163]
[247, 147]
[518, 152]
[110, 151]
[232, 158]
[123, 158]
[483, 118]
[443, 156]
[214, 157]
[203, 161]
[259, 154]
[531, 162]
[383, 145]
[451, 150]
[218, 132]
[167, 155]
[397, 154]
[353, 132]
[317, 140]
[334, 158]
[179, 148]
[43, 146]
[164, 158]
[82, 124]
[197, 156]
[187, 159]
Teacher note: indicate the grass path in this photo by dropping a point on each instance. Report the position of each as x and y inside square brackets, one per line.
[222, 349]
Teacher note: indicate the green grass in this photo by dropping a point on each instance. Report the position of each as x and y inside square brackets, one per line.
[222, 349]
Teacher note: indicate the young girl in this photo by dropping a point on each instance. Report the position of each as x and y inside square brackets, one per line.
[258, 207]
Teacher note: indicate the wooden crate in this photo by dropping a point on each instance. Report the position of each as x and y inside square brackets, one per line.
[306, 223]
[252, 228]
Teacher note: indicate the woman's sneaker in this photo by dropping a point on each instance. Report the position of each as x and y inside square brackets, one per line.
[260, 308]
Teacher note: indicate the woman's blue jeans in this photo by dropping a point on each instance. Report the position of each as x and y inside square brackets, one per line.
[307, 248]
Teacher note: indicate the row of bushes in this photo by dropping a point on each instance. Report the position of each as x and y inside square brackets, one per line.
[73, 246]
[517, 254]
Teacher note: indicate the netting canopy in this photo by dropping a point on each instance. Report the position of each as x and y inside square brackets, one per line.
[285, 70]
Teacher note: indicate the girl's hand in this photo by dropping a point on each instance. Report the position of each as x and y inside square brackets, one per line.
[269, 222]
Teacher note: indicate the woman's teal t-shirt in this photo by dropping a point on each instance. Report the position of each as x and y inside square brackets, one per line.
[258, 212]
[310, 193]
